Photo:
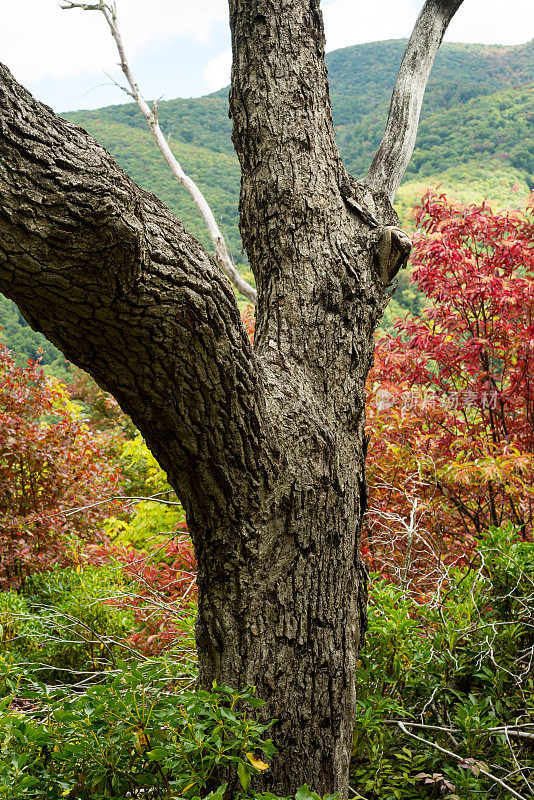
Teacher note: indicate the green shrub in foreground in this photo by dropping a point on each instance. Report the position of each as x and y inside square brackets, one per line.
[135, 734]
[60, 621]
[452, 669]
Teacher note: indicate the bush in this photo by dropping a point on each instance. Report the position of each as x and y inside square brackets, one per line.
[453, 672]
[62, 624]
[51, 462]
[450, 397]
[155, 556]
[139, 733]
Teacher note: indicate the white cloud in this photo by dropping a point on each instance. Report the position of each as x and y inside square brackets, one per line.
[217, 71]
[40, 41]
[348, 22]
[67, 51]
[484, 21]
[493, 22]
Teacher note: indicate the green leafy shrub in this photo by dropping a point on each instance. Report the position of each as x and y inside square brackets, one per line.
[446, 691]
[138, 733]
[61, 623]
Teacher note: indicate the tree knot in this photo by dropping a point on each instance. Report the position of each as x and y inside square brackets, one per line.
[391, 251]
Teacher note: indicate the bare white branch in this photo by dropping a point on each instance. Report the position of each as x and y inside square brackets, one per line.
[396, 148]
[222, 256]
[449, 753]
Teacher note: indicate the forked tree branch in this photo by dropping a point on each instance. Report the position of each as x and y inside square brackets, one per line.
[396, 148]
[222, 256]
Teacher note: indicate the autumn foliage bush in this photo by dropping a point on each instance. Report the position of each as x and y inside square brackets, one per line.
[150, 549]
[99, 408]
[160, 592]
[451, 395]
[51, 461]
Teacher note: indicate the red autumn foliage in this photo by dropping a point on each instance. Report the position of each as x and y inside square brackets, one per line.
[249, 321]
[50, 461]
[101, 410]
[158, 592]
[451, 395]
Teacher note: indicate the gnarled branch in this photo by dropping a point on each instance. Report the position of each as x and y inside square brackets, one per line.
[113, 279]
[396, 147]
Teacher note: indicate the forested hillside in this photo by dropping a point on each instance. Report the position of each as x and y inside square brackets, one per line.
[476, 131]
[476, 137]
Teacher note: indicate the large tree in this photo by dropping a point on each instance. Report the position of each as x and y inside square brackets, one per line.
[264, 446]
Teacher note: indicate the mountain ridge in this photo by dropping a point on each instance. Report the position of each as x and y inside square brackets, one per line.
[361, 80]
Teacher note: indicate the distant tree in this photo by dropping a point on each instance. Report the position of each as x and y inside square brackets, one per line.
[265, 446]
[451, 395]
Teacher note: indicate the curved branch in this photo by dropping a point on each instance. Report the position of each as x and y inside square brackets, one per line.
[113, 279]
[396, 148]
[222, 255]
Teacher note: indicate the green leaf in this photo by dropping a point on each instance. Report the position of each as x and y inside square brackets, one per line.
[244, 776]
[157, 754]
[215, 796]
[304, 793]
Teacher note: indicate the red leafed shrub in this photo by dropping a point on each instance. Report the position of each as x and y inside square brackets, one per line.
[249, 321]
[50, 461]
[101, 410]
[451, 395]
[160, 593]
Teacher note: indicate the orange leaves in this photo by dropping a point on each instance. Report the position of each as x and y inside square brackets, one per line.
[249, 321]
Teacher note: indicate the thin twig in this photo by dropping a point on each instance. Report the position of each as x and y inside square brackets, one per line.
[357, 794]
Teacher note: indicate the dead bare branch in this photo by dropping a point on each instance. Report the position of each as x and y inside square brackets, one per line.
[396, 147]
[222, 256]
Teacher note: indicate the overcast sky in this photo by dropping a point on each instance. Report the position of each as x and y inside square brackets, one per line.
[180, 48]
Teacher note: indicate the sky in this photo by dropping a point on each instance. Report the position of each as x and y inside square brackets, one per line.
[181, 48]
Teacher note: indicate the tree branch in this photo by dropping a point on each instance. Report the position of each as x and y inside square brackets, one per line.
[222, 255]
[449, 753]
[113, 279]
[396, 147]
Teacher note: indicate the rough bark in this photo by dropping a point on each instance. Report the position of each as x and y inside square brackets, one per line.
[318, 299]
[113, 279]
[266, 449]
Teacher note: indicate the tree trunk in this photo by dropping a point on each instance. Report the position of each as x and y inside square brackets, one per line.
[265, 447]
[265, 450]
[282, 603]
